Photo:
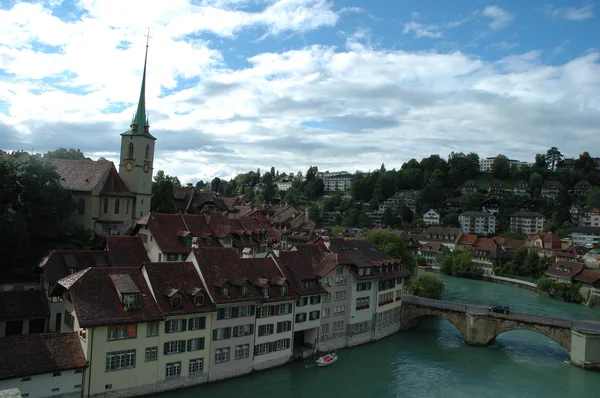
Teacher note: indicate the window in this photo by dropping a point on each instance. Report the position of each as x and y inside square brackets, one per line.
[105, 206]
[196, 365]
[301, 317]
[315, 300]
[151, 353]
[131, 301]
[339, 310]
[242, 351]
[222, 355]
[325, 328]
[283, 309]
[126, 206]
[266, 291]
[261, 349]
[327, 281]
[130, 152]
[173, 369]
[360, 287]
[147, 153]
[197, 323]
[246, 310]
[244, 330]
[325, 312]
[284, 290]
[175, 325]
[327, 297]
[117, 204]
[122, 332]
[81, 206]
[118, 360]
[282, 344]
[151, 329]
[246, 290]
[284, 326]
[309, 284]
[264, 330]
[339, 325]
[341, 280]
[195, 344]
[339, 270]
[174, 347]
[362, 303]
[361, 271]
[264, 312]
[341, 295]
[302, 302]
[314, 315]
[221, 333]
[199, 300]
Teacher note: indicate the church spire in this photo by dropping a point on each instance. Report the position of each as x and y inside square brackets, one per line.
[139, 124]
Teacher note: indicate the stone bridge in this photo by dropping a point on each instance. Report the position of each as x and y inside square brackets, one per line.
[479, 326]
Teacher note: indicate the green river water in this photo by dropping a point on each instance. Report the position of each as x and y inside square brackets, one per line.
[432, 360]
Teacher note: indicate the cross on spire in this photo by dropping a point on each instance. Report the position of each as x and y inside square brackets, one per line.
[148, 37]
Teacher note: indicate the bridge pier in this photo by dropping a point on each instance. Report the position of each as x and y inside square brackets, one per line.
[478, 330]
[585, 349]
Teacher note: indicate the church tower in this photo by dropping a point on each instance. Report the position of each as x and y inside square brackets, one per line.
[137, 155]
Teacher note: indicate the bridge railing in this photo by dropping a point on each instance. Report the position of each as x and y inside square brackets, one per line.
[442, 305]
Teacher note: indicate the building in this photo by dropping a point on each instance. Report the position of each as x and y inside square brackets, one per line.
[582, 188]
[432, 252]
[486, 164]
[431, 218]
[23, 312]
[489, 256]
[252, 326]
[496, 188]
[590, 219]
[108, 202]
[336, 181]
[470, 186]
[43, 365]
[477, 222]
[491, 205]
[521, 188]
[447, 236]
[585, 236]
[527, 222]
[283, 185]
[550, 190]
[545, 243]
[375, 292]
[564, 271]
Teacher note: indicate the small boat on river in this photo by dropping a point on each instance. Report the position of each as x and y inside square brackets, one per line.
[327, 360]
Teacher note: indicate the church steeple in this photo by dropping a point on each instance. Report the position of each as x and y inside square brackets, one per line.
[139, 124]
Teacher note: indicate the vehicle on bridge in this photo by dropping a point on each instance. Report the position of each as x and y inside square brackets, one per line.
[500, 309]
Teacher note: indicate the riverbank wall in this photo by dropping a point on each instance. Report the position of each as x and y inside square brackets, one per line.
[496, 279]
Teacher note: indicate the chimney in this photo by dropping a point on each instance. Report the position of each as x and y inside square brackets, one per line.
[207, 217]
[306, 215]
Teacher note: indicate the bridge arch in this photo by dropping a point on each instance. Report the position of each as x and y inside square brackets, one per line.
[413, 315]
[561, 336]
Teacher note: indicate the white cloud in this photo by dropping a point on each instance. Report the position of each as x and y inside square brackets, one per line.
[336, 107]
[586, 11]
[421, 30]
[500, 18]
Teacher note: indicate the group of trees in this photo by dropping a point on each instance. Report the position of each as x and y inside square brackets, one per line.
[33, 209]
[524, 263]
[460, 263]
[563, 291]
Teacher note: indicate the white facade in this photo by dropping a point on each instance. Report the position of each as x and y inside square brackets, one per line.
[477, 222]
[284, 185]
[590, 219]
[336, 181]
[334, 309]
[66, 384]
[431, 218]
[485, 164]
[586, 236]
[273, 334]
[527, 223]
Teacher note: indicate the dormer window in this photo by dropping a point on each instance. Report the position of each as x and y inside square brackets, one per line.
[266, 291]
[245, 289]
[209, 241]
[225, 290]
[131, 301]
[199, 299]
[284, 290]
[177, 301]
[361, 271]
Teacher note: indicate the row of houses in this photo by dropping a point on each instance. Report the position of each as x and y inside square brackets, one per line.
[156, 326]
[549, 191]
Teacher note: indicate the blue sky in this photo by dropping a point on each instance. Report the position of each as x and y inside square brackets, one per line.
[234, 85]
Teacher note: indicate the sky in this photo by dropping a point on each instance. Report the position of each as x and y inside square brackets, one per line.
[236, 85]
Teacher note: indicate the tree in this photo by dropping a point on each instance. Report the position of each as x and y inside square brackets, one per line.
[406, 214]
[553, 157]
[471, 201]
[540, 161]
[314, 213]
[451, 219]
[460, 263]
[585, 163]
[163, 200]
[388, 219]
[536, 181]
[269, 192]
[593, 198]
[200, 185]
[338, 230]
[214, 184]
[63, 153]
[501, 167]
[427, 286]
[393, 245]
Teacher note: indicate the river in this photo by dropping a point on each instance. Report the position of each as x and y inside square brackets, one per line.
[432, 360]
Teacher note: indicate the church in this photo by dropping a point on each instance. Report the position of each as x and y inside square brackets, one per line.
[106, 201]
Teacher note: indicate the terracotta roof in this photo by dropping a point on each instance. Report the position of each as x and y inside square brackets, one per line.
[220, 266]
[587, 276]
[546, 237]
[126, 251]
[565, 269]
[22, 304]
[164, 229]
[60, 262]
[432, 247]
[467, 239]
[197, 225]
[359, 253]
[513, 244]
[527, 214]
[80, 175]
[583, 184]
[443, 231]
[183, 197]
[299, 273]
[183, 278]
[321, 261]
[97, 301]
[493, 252]
[35, 354]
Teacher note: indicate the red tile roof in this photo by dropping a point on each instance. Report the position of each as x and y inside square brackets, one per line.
[565, 269]
[22, 304]
[548, 238]
[35, 354]
[114, 185]
[166, 278]
[59, 263]
[164, 229]
[97, 301]
[588, 276]
[220, 266]
[359, 253]
[126, 251]
[321, 260]
[467, 240]
[299, 273]
[433, 247]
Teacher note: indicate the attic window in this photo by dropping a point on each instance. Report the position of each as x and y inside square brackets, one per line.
[245, 290]
[199, 299]
[209, 241]
[266, 291]
[131, 301]
[177, 301]
[284, 290]
[225, 290]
